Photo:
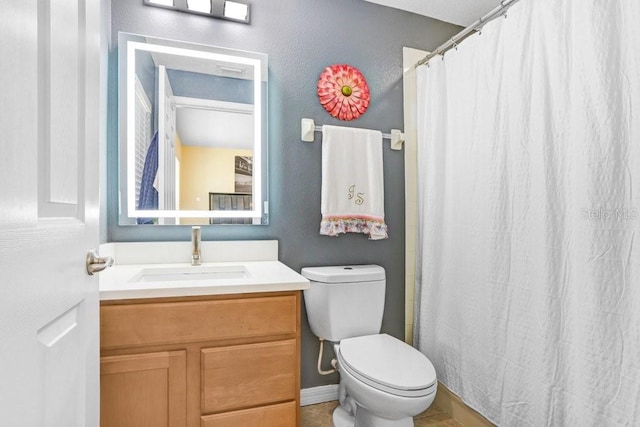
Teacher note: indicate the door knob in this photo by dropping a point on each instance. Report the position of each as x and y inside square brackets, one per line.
[95, 263]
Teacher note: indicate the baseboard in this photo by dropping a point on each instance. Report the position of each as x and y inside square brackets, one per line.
[320, 394]
[458, 410]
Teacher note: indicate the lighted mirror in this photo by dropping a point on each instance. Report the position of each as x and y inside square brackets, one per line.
[193, 134]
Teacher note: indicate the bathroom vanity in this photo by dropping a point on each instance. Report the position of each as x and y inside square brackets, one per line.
[195, 352]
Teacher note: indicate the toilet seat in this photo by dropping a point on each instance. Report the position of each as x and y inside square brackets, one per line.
[387, 364]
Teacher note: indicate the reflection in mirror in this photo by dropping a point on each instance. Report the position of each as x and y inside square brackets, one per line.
[192, 133]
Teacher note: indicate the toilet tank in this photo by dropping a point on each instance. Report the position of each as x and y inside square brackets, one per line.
[344, 301]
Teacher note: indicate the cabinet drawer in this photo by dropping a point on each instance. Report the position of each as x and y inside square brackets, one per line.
[247, 375]
[280, 415]
[163, 323]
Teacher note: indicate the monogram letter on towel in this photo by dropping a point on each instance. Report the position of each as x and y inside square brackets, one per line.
[352, 182]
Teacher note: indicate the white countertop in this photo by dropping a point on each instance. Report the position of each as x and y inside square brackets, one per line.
[263, 272]
[118, 282]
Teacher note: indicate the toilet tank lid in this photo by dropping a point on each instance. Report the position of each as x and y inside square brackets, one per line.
[344, 273]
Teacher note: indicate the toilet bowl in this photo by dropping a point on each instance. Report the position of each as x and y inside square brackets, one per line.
[390, 381]
[384, 381]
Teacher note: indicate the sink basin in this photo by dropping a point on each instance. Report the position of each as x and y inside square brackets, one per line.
[190, 274]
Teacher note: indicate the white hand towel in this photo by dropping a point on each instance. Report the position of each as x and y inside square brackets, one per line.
[352, 182]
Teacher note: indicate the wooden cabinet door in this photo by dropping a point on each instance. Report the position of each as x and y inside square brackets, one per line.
[143, 390]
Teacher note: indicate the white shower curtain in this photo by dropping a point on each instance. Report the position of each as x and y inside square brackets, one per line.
[528, 269]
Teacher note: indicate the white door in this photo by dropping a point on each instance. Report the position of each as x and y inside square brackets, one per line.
[166, 145]
[49, 122]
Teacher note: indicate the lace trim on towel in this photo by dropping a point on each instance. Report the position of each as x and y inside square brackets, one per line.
[333, 226]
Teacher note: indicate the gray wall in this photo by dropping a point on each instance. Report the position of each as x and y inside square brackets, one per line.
[301, 37]
[205, 86]
[146, 72]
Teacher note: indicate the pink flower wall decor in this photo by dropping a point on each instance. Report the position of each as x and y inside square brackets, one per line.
[343, 91]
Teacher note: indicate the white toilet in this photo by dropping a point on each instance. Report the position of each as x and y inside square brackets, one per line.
[383, 381]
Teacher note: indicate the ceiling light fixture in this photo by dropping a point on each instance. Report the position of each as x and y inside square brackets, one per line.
[168, 3]
[202, 6]
[236, 11]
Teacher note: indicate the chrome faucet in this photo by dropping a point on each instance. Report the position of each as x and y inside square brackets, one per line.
[195, 245]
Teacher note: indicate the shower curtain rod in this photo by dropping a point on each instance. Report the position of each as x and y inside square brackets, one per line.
[453, 41]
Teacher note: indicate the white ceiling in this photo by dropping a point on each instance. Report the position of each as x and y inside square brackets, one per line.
[213, 67]
[460, 12]
[215, 128]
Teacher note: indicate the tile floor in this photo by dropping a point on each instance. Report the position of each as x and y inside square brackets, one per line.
[320, 416]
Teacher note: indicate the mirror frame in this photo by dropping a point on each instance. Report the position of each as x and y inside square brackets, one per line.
[130, 45]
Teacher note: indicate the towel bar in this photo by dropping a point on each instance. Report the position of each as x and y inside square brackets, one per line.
[308, 128]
